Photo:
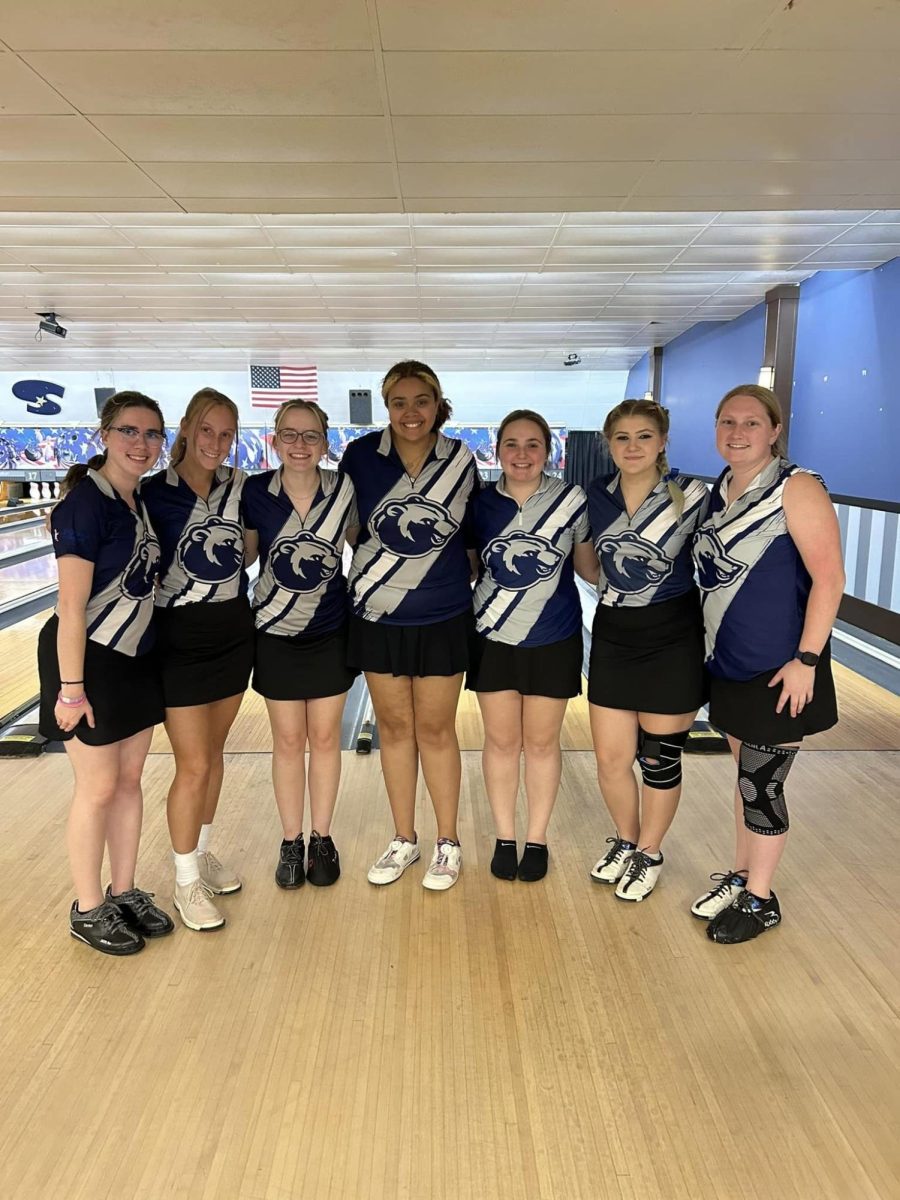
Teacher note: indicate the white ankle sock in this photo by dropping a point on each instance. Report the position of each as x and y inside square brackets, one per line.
[205, 835]
[187, 869]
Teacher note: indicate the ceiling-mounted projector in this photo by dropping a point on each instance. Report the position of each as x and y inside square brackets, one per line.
[49, 324]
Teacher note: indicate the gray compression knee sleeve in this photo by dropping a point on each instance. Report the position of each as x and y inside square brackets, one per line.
[761, 774]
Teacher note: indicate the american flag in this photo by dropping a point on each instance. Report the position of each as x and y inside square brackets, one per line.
[271, 386]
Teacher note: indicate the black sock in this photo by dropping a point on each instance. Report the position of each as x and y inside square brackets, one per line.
[506, 859]
[534, 862]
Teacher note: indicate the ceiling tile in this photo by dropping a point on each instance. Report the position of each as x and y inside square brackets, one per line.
[532, 139]
[23, 91]
[248, 139]
[555, 83]
[52, 139]
[308, 180]
[193, 82]
[784, 136]
[62, 180]
[522, 179]
[830, 25]
[186, 25]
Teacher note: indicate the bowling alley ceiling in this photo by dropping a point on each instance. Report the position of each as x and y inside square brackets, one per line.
[191, 182]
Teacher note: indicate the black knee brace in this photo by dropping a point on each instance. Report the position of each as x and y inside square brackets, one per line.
[664, 749]
[762, 771]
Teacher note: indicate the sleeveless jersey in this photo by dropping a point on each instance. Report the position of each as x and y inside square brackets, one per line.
[201, 541]
[526, 593]
[93, 522]
[300, 588]
[410, 565]
[644, 558]
[753, 583]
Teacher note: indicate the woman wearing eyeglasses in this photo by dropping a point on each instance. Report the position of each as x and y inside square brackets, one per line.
[100, 691]
[205, 638]
[296, 518]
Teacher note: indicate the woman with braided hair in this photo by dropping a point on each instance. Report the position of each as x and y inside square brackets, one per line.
[646, 668]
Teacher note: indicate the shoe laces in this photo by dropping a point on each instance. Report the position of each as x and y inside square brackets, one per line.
[638, 865]
[618, 848]
[212, 863]
[199, 892]
[141, 902]
[722, 880]
[294, 850]
[109, 912]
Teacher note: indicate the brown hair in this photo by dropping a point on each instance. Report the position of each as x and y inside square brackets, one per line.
[198, 406]
[111, 409]
[526, 414]
[412, 369]
[770, 403]
[659, 416]
[309, 406]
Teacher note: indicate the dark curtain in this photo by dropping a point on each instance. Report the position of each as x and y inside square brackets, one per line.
[587, 456]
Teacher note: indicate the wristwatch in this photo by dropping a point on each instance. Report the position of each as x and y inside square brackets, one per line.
[807, 658]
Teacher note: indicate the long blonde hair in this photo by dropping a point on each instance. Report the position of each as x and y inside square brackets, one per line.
[659, 416]
[198, 406]
[770, 403]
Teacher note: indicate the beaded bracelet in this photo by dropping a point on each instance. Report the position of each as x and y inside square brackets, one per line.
[71, 702]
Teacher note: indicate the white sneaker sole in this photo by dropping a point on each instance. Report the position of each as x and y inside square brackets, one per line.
[222, 891]
[603, 879]
[382, 877]
[440, 883]
[193, 924]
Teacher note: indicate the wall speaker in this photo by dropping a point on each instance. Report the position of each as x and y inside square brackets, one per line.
[360, 406]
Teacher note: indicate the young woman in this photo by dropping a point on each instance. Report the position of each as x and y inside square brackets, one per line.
[100, 692]
[646, 669]
[526, 530]
[769, 563]
[205, 638]
[411, 608]
[297, 519]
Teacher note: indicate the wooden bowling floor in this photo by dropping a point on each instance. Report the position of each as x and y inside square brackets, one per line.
[496, 1041]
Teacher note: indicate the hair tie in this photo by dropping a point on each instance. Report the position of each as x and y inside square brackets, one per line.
[671, 476]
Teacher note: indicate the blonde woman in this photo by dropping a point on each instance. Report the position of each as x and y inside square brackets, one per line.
[646, 670]
[769, 562]
[205, 638]
[297, 519]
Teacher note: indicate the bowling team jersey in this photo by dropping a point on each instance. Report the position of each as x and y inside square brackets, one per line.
[300, 588]
[644, 558]
[410, 565]
[201, 541]
[93, 522]
[526, 593]
[753, 583]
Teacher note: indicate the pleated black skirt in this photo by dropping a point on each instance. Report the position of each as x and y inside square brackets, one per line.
[411, 650]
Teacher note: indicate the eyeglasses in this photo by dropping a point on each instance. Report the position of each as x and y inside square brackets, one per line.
[132, 434]
[308, 436]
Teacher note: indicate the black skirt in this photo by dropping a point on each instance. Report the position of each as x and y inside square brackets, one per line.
[649, 659]
[303, 667]
[416, 651]
[553, 671]
[746, 708]
[125, 692]
[206, 650]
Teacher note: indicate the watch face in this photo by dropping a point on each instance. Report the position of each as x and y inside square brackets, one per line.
[808, 658]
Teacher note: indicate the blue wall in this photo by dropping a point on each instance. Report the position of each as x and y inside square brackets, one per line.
[638, 379]
[698, 368]
[845, 416]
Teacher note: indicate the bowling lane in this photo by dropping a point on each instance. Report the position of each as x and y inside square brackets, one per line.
[18, 673]
[19, 539]
[19, 581]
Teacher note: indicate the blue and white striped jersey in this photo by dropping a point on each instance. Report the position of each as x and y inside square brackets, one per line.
[201, 541]
[410, 565]
[753, 583]
[526, 593]
[93, 522]
[300, 588]
[645, 558]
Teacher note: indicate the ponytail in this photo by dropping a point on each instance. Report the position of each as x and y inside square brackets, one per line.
[667, 475]
[79, 471]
